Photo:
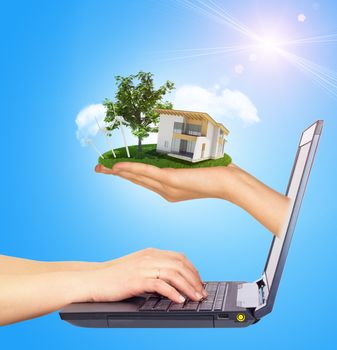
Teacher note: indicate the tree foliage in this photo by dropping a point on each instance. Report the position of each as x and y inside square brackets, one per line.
[136, 100]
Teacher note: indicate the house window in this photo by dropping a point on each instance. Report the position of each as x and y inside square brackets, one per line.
[166, 144]
[178, 127]
[193, 129]
[175, 145]
[189, 129]
[190, 146]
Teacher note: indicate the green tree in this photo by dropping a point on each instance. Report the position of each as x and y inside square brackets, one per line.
[136, 100]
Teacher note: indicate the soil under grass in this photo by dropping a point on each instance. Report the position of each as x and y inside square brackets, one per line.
[151, 156]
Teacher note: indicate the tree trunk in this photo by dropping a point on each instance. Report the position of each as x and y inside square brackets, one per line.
[139, 148]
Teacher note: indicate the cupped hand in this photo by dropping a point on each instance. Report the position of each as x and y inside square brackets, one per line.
[151, 270]
[231, 183]
[175, 184]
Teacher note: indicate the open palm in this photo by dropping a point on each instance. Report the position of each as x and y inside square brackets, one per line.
[230, 183]
[173, 184]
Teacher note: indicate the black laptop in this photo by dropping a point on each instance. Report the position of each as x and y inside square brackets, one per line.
[229, 304]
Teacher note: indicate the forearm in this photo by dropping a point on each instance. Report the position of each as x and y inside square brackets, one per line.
[266, 205]
[26, 296]
[12, 265]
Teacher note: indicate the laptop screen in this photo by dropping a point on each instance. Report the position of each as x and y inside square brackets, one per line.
[295, 191]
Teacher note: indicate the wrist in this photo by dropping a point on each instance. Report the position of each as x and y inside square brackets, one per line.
[79, 286]
[230, 183]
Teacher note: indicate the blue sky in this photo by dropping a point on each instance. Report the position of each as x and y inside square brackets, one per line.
[59, 57]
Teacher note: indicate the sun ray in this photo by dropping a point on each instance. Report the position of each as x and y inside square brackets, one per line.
[330, 75]
[234, 50]
[228, 16]
[216, 48]
[328, 38]
[215, 12]
[324, 77]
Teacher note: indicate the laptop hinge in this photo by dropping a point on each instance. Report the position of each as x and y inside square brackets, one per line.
[252, 295]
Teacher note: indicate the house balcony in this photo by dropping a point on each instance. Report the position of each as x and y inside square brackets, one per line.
[187, 129]
[186, 137]
[183, 147]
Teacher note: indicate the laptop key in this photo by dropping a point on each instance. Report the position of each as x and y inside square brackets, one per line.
[176, 307]
[222, 289]
[220, 297]
[221, 292]
[211, 287]
[149, 304]
[206, 306]
[162, 305]
[210, 298]
[191, 305]
[218, 305]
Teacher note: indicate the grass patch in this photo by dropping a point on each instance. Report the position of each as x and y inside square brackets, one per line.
[152, 157]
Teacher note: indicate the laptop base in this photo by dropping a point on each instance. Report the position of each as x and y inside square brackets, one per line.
[129, 314]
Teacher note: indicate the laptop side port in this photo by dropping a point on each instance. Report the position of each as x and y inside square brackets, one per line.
[223, 316]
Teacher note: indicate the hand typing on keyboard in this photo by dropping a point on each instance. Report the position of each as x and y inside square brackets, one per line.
[31, 288]
[151, 270]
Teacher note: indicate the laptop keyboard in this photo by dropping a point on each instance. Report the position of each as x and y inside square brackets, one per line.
[217, 292]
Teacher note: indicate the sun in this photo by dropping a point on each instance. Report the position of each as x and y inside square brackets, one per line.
[269, 44]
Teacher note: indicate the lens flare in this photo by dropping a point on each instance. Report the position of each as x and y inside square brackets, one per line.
[267, 45]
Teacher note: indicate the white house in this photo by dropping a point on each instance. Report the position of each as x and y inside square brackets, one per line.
[191, 136]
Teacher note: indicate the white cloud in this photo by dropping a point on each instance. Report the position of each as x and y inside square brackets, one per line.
[220, 104]
[301, 17]
[86, 121]
[239, 69]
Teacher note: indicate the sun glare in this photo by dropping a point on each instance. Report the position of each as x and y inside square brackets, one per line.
[267, 46]
[269, 43]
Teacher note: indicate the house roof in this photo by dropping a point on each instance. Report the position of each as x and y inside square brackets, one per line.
[193, 115]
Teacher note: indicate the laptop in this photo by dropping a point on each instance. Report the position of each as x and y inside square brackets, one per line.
[229, 304]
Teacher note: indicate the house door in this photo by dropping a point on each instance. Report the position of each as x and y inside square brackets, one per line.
[203, 146]
[183, 146]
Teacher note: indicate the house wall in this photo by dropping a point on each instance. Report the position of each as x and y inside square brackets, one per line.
[221, 144]
[208, 140]
[214, 148]
[198, 146]
[166, 124]
[218, 151]
[210, 137]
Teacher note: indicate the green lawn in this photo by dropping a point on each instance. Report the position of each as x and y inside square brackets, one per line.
[150, 156]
